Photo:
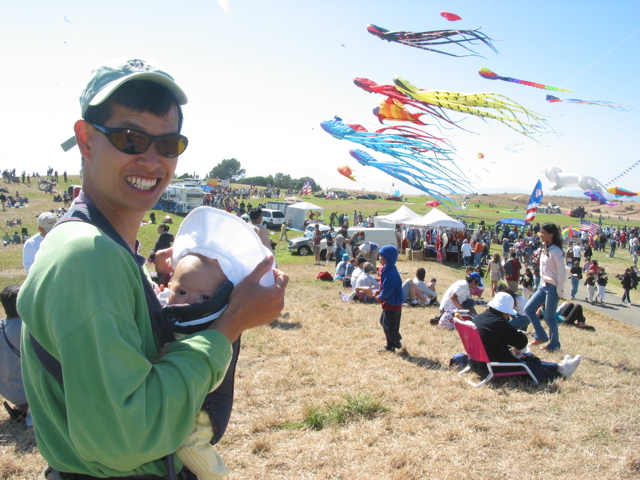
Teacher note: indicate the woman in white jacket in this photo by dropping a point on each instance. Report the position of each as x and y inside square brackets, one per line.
[552, 277]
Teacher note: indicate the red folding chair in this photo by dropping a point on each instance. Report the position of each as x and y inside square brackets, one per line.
[475, 350]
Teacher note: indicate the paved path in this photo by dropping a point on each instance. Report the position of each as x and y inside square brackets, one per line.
[611, 307]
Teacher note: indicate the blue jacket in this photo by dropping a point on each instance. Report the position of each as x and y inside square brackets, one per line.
[390, 282]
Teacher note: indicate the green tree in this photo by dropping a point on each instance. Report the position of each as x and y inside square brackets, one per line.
[228, 169]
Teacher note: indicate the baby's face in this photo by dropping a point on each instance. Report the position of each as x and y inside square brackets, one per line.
[195, 280]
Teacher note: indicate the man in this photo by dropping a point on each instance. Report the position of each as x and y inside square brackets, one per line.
[283, 232]
[255, 216]
[467, 252]
[11, 386]
[369, 250]
[458, 297]
[329, 238]
[512, 269]
[577, 251]
[122, 406]
[3, 201]
[498, 336]
[478, 250]
[46, 221]
[415, 290]
[317, 239]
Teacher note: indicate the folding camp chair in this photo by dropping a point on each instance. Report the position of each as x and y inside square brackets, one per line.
[475, 350]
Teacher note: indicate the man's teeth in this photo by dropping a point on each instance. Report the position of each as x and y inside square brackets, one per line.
[141, 183]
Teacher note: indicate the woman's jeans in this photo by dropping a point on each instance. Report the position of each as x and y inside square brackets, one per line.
[547, 295]
[575, 281]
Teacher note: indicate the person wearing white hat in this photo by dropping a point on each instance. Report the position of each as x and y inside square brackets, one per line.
[46, 221]
[498, 336]
[122, 406]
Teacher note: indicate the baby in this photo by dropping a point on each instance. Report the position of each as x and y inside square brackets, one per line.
[212, 252]
[197, 279]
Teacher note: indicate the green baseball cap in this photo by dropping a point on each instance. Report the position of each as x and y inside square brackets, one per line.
[106, 79]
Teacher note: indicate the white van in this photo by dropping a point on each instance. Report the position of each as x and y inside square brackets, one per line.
[271, 217]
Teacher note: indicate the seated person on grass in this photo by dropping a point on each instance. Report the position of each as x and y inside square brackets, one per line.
[366, 286]
[498, 338]
[416, 292]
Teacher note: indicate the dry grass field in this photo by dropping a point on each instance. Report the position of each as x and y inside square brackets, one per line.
[315, 400]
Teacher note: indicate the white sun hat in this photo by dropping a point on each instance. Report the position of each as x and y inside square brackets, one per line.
[224, 237]
[503, 302]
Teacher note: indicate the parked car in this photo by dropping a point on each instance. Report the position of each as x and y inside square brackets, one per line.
[304, 245]
[272, 218]
[394, 198]
[367, 196]
[341, 195]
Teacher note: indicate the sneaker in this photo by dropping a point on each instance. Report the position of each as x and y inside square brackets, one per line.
[568, 368]
[537, 342]
[386, 349]
[566, 358]
[547, 349]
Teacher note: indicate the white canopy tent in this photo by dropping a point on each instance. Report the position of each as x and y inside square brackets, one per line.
[403, 215]
[296, 214]
[436, 218]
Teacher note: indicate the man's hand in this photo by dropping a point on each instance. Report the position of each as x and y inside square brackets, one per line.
[163, 261]
[252, 305]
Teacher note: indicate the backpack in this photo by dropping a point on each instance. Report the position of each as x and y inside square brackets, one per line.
[325, 276]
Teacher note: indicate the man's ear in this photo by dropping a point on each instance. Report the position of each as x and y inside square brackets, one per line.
[84, 132]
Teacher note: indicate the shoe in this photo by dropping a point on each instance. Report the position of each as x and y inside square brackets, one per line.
[547, 349]
[568, 368]
[15, 414]
[537, 342]
[566, 359]
[386, 349]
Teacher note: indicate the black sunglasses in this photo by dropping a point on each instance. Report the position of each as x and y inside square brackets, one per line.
[135, 142]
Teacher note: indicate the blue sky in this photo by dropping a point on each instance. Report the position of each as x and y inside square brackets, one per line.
[261, 75]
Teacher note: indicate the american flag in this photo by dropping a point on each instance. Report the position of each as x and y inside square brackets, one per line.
[306, 189]
[587, 226]
[534, 202]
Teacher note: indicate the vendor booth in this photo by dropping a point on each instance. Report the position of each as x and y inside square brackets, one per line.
[297, 213]
[403, 215]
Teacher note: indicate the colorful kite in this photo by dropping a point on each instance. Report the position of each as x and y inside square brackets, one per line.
[393, 110]
[621, 192]
[489, 75]
[428, 40]
[480, 155]
[508, 110]
[602, 103]
[432, 178]
[391, 92]
[598, 196]
[432, 203]
[398, 146]
[452, 17]
[347, 172]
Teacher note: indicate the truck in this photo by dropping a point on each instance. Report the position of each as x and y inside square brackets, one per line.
[182, 197]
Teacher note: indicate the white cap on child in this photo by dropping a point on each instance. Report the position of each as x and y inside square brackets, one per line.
[222, 236]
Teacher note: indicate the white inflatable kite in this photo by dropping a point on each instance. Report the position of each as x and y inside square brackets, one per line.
[559, 180]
